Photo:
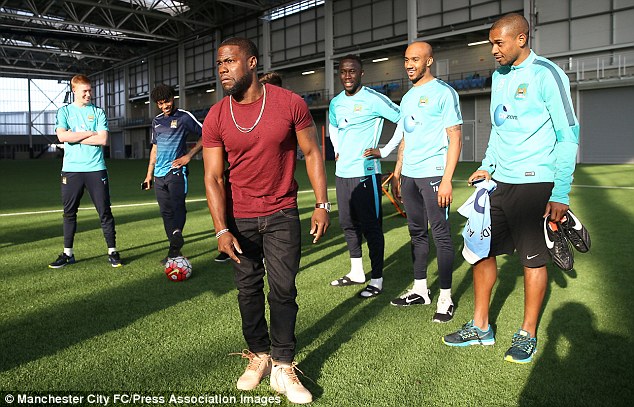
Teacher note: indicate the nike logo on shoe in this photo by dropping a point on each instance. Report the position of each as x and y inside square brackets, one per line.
[577, 225]
[409, 300]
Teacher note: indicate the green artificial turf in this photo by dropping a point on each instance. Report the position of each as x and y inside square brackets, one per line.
[90, 328]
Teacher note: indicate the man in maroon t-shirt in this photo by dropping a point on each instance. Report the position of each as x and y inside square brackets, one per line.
[255, 212]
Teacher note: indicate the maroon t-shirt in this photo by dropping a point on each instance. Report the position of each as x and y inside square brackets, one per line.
[261, 162]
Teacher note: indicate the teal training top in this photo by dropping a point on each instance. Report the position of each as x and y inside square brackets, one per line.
[534, 132]
[356, 123]
[427, 111]
[82, 157]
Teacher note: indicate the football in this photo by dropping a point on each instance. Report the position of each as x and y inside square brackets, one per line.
[178, 268]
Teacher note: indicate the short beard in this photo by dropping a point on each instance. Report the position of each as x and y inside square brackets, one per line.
[418, 78]
[240, 86]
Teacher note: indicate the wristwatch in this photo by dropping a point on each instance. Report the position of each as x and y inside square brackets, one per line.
[323, 205]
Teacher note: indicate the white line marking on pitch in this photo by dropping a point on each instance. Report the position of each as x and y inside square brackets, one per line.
[116, 206]
[202, 200]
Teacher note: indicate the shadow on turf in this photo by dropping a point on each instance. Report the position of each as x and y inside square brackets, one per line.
[58, 327]
[86, 220]
[369, 309]
[164, 246]
[579, 364]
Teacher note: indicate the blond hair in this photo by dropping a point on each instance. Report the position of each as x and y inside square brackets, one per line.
[79, 80]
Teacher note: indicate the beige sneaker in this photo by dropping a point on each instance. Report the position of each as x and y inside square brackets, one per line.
[258, 367]
[284, 380]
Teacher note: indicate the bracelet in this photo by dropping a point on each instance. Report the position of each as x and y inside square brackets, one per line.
[221, 232]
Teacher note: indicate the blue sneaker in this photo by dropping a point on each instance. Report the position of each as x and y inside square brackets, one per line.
[470, 335]
[62, 260]
[115, 259]
[522, 349]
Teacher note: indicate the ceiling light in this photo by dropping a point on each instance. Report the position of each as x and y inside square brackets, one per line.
[308, 72]
[380, 59]
[210, 90]
[471, 44]
[147, 102]
[176, 97]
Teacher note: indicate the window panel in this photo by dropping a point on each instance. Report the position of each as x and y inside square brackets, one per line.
[586, 7]
[590, 32]
[623, 27]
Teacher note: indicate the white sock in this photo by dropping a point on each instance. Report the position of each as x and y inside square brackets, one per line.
[356, 270]
[112, 250]
[445, 293]
[68, 251]
[377, 282]
[420, 287]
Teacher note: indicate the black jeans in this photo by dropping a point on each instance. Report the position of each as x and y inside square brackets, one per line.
[277, 238]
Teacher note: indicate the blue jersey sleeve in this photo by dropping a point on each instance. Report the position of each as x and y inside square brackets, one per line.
[333, 128]
[153, 137]
[556, 95]
[490, 157]
[451, 109]
[61, 121]
[193, 125]
[387, 109]
[332, 116]
[101, 120]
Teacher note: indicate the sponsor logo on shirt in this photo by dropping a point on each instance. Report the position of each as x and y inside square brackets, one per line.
[358, 108]
[521, 91]
[174, 124]
[423, 101]
[410, 123]
[91, 117]
[500, 115]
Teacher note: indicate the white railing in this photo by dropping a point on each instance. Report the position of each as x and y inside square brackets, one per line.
[611, 65]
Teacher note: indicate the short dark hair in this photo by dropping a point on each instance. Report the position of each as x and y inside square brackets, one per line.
[515, 22]
[272, 77]
[352, 57]
[245, 44]
[162, 92]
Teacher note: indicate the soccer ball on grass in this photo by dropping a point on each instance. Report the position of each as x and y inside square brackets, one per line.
[178, 268]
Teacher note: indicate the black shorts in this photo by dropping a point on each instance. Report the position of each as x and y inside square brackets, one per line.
[517, 221]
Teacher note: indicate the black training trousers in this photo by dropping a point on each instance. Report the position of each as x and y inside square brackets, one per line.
[420, 197]
[73, 185]
[171, 191]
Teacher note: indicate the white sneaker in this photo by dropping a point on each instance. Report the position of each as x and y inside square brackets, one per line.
[284, 380]
[444, 310]
[411, 298]
[258, 367]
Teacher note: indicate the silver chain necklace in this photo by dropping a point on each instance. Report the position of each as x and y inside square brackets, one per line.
[247, 129]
